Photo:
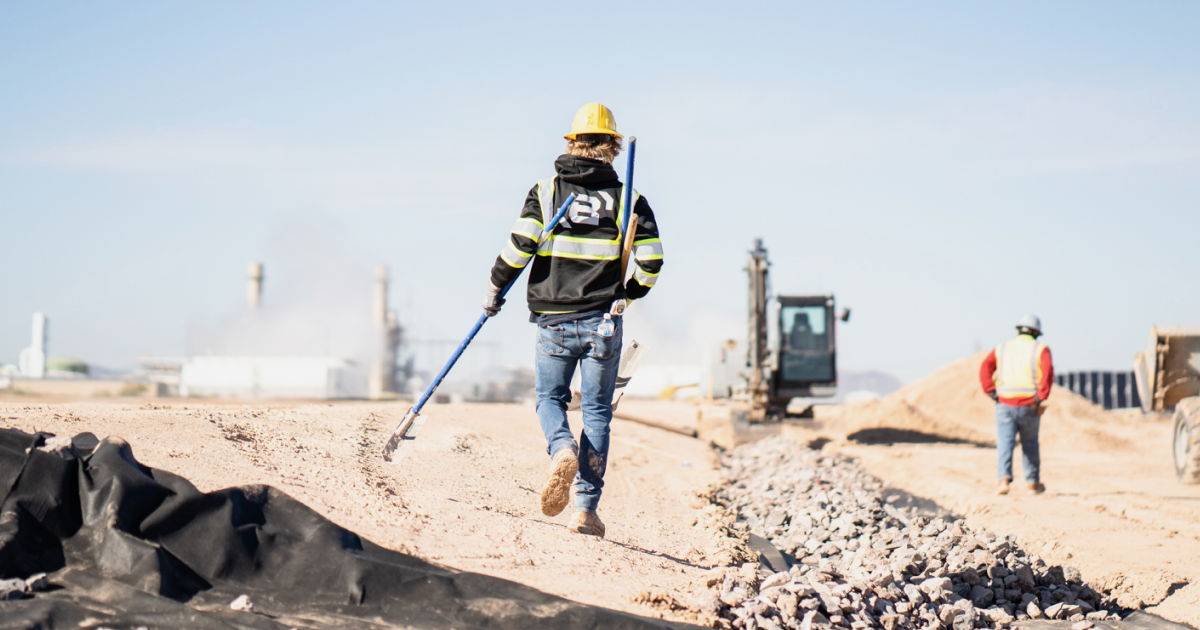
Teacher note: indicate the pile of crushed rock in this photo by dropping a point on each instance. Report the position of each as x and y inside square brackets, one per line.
[863, 563]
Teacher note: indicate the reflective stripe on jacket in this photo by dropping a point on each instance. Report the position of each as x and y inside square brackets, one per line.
[578, 266]
[578, 247]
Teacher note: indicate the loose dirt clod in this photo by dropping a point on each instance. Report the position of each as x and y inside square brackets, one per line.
[12, 589]
[242, 603]
[37, 582]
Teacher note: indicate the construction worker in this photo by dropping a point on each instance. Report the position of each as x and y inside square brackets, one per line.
[1017, 374]
[576, 297]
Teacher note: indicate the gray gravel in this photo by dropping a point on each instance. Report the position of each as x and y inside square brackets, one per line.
[863, 563]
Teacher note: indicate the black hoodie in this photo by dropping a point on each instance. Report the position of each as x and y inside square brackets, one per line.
[582, 271]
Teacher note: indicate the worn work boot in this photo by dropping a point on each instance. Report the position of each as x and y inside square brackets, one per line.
[557, 490]
[1037, 487]
[587, 523]
[1003, 489]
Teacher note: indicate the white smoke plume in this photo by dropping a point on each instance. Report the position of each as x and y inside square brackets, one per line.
[316, 301]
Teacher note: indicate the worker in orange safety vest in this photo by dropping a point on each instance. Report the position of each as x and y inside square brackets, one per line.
[1018, 374]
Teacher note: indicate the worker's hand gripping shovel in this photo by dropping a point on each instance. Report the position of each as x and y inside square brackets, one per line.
[413, 421]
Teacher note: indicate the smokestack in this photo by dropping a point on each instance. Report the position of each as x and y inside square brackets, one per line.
[379, 312]
[33, 358]
[254, 286]
[381, 382]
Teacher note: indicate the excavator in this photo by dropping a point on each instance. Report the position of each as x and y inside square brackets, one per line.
[1167, 374]
[790, 352]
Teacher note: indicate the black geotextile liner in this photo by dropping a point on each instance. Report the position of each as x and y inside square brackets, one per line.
[128, 546]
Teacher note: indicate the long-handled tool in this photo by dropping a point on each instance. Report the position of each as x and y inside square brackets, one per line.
[631, 358]
[627, 249]
[413, 420]
[688, 431]
[628, 205]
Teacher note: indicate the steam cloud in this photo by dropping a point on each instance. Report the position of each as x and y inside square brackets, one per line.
[316, 301]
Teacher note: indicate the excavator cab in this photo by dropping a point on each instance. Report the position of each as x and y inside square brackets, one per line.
[802, 347]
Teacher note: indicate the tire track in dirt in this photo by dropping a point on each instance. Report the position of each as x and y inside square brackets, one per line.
[370, 442]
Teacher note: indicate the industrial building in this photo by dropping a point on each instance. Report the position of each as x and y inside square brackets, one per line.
[372, 374]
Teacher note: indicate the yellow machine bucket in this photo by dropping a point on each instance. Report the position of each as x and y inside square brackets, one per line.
[1169, 369]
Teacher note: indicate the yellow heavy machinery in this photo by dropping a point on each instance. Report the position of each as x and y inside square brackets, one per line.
[790, 352]
[1168, 379]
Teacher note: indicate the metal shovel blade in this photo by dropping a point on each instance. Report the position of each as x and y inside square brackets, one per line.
[631, 358]
[402, 438]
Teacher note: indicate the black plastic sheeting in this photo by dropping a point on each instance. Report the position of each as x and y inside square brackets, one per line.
[128, 546]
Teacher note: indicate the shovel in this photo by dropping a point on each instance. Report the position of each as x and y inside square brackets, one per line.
[630, 218]
[631, 358]
[411, 425]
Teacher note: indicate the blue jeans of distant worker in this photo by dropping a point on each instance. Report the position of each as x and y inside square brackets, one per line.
[1013, 421]
[559, 349]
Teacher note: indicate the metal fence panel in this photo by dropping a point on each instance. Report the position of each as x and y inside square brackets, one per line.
[1111, 390]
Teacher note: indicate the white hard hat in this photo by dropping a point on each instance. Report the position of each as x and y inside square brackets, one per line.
[1030, 321]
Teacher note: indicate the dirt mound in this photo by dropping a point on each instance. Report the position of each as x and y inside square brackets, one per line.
[892, 420]
[950, 403]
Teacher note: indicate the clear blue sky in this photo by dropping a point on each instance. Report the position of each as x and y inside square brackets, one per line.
[944, 168]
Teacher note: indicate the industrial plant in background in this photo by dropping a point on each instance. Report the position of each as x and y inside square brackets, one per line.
[32, 363]
[38, 372]
[347, 347]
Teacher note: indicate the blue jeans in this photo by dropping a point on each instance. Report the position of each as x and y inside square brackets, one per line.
[1011, 421]
[559, 349]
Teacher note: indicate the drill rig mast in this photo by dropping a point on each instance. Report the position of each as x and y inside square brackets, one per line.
[759, 388]
[791, 350]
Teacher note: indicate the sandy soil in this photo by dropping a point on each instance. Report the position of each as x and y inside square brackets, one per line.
[1126, 524]
[1113, 507]
[465, 497]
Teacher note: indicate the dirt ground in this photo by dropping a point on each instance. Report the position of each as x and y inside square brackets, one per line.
[465, 497]
[1123, 522]
[1113, 507]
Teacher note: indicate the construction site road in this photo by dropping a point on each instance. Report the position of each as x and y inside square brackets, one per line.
[466, 497]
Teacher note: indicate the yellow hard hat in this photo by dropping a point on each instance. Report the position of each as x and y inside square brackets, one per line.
[593, 118]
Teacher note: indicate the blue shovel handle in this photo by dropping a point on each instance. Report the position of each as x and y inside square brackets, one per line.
[628, 188]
